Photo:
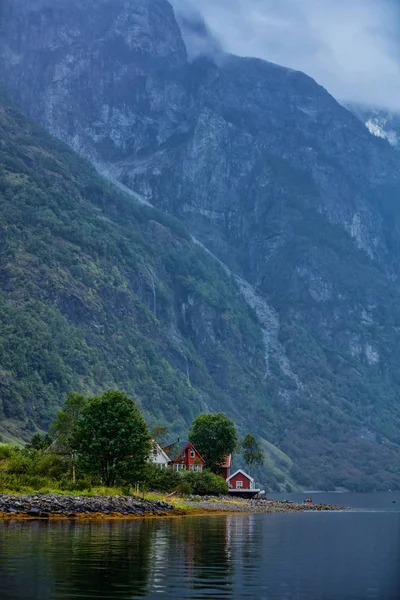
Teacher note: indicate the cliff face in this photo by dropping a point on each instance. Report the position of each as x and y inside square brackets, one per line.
[285, 186]
[98, 291]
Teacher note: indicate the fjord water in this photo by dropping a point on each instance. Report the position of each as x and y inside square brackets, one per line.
[295, 556]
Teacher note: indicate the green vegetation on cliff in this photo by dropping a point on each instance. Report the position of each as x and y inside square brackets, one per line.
[98, 291]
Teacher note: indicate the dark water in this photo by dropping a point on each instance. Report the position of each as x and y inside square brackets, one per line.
[310, 556]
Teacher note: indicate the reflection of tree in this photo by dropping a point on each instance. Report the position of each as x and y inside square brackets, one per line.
[112, 556]
[211, 556]
[87, 559]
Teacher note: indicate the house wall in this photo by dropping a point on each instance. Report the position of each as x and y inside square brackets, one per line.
[189, 460]
[240, 477]
[224, 472]
[157, 456]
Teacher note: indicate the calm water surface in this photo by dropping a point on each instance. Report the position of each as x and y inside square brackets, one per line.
[310, 556]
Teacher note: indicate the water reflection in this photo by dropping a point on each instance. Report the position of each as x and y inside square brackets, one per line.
[341, 556]
[121, 559]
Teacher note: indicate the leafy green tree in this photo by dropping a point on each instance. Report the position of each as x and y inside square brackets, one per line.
[159, 434]
[65, 428]
[214, 436]
[39, 442]
[252, 452]
[112, 439]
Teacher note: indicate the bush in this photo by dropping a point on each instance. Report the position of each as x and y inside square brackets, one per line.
[18, 463]
[49, 465]
[82, 486]
[6, 451]
[191, 482]
[161, 480]
[184, 487]
[206, 483]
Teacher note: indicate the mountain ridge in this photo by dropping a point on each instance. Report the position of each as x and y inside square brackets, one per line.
[280, 182]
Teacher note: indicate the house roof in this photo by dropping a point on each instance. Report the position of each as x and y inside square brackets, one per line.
[242, 473]
[175, 450]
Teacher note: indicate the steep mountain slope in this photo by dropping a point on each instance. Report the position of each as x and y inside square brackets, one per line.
[98, 291]
[273, 176]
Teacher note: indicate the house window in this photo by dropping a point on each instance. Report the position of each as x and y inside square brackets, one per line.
[179, 468]
[239, 484]
[192, 453]
[196, 468]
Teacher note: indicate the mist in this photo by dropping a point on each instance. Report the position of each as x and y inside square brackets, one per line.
[351, 47]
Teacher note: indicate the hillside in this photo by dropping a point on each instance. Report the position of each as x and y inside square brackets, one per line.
[99, 291]
[280, 182]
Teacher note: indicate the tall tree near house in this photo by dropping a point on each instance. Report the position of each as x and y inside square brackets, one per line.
[252, 452]
[159, 434]
[112, 439]
[214, 436]
[65, 427]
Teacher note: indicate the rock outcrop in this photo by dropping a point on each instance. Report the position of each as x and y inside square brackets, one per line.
[45, 506]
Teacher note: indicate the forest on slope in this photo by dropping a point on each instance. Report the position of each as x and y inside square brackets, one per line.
[98, 291]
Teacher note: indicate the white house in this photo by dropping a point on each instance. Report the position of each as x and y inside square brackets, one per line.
[158, 456]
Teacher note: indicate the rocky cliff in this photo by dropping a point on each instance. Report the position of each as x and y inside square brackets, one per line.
[99, 291]
[284, 185]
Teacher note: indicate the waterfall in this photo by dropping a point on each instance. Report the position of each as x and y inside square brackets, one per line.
[187, 368]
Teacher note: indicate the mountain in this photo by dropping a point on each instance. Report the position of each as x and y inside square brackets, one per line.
[286, 187]
[99, 291]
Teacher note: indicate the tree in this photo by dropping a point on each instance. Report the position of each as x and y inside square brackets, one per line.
[159, 434]
[252, 452]
[66, 425]
[214, 436]
[39, 442]
[112, 439]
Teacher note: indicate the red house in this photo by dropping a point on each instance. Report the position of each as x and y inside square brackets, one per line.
[242, 484]
[184, 457]
[224, 469]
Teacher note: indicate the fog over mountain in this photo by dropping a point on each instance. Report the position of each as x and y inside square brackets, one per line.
[349, 46]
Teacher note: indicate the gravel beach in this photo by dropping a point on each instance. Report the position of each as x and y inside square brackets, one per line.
[53, 506]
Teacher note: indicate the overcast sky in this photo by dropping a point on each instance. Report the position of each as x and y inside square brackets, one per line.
[352, 47]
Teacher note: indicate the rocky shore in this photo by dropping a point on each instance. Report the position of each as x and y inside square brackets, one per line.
[54, 506]
[262, 506]
[46, 506]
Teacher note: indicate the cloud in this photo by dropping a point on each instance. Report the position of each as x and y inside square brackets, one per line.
[352, 47]
[198, 37]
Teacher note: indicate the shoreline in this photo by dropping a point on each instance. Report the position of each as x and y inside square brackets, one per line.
[54, 507]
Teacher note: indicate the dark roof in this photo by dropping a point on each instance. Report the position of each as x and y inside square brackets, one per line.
[174, 450]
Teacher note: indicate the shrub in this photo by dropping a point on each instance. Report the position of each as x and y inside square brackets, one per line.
[184, 487]
[161, 480]
[49, 465]
[18, 463]
[6, 451]
[82, 486]
[206, 483]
